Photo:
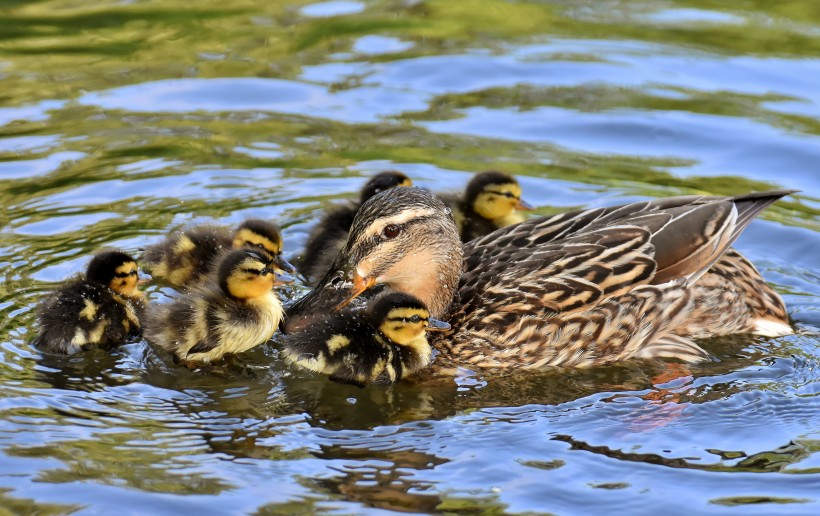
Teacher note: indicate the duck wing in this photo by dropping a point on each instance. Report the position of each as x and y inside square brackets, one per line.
[546, 270]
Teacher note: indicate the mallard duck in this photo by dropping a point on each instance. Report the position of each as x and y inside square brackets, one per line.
[189, 255]
[576, 289]
[102, 308]
[330, 234]
[381, 344]
[491, 200]
[233, 311]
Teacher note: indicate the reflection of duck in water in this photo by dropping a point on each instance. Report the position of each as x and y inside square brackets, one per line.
[575, 289]
[187, 256]
[235, 312]
[103, 308]
[491, 200]
[330, 234]
[382, 344]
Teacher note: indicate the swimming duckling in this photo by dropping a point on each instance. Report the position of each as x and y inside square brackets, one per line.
[232, 312]
[330, 234]
[382, 344]
[491, 200]
[188, 256]
[101, 309]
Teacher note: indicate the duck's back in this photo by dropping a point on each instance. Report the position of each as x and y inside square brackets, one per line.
[346, 347]
[82, 314]
[594, 286]
[187, 256]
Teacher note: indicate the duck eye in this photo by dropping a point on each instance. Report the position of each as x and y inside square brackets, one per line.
[415, 319]
[391, 231]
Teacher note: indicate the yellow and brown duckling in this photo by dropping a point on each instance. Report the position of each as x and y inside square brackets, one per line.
[381, 344]
[233, 311]
[102, 308]
[188, 256]
[491, 200]
[330, 234]
[576, 289]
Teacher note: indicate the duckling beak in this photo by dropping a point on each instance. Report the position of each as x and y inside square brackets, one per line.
[436, 325]
[359, 285]
[524, 205]
[280, 278]
[283, 265]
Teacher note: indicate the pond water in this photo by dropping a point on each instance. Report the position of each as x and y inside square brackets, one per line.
[122, 120]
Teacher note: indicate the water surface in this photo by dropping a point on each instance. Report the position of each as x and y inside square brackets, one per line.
[120, 121]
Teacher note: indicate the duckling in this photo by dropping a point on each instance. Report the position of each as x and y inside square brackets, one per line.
[330, 234]
[576, 289]
[103, 308]
[188, 256]
[381, 344]
[233, 311]
[491, 200]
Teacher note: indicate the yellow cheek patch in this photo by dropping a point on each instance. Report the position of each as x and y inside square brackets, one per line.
[245, 237]
[494, 202]
[406, 182]
[250, 287]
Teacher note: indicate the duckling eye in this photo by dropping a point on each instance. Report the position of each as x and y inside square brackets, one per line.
[415, 319]
[391, 231]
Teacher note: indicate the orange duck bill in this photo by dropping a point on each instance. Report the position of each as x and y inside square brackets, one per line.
[359, 286]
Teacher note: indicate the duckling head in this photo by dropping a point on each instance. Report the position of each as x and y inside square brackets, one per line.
[403, 239]
[383, 181]
[265, 236]
[117, 271]
[247, 274]
[495, 195]
[404, 319]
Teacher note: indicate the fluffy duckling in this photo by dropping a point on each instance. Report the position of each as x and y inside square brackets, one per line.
[232, 312]
[491, 200]
[330, 234]
[188, 256]
[381, 344]
[103, 308]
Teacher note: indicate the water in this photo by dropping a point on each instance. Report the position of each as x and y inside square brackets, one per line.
[122, 120]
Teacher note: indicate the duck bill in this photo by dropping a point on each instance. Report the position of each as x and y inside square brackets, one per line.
[436, 325]
[282, 265]
[280, 278]
[359, 286]
[524, 205]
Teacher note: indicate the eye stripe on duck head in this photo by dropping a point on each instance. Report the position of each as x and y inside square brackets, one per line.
[107, 265]
[258, 232]
[241, 260]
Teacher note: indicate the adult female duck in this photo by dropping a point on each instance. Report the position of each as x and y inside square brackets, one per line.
[576, 289]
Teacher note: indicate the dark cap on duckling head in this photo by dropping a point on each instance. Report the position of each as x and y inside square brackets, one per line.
[383, 181]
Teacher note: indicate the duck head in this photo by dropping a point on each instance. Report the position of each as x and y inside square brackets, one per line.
[383, 181]
[402, 240]
[265, 236]
[495, 195]
[117, 271]
[248, 274]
